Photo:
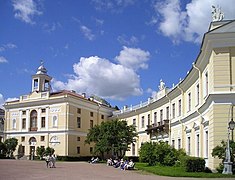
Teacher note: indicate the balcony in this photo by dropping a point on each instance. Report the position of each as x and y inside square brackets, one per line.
[158, 128]
[33, 128]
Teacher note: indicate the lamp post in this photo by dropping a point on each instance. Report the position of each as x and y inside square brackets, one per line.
[227, 162]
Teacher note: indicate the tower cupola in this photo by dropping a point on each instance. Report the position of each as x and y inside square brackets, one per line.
[41, 81]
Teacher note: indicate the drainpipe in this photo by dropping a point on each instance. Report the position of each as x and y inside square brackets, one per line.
[200, 80]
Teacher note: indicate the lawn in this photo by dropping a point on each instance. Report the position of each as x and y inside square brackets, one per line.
[177, 172]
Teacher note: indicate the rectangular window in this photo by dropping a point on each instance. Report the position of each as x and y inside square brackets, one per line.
[134, 122]
[24, 123]
[91, 114]
[180, 107]
[78, 122]
[43, 122]
[173, 110]
[206, 144]
[142, 122]
[102, 116]
[197, 94]
[42, 138]
[91, 150]
[198, 145]
[148, 119]
[78, 138]
[206, 83]
[43, 110]
[23, 112]
[155, 118]
[78, 150]
[161, 116]
[91, 123]
[189, 101]
[179, 143]
[189, 146]
[79, 110]
[173, 143]
[167, 113]
[133, 149]
[22, 139]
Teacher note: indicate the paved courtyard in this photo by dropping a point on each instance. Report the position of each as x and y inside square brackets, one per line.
[36, 170]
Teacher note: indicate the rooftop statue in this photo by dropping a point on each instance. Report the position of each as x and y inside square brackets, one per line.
[162, 85]
[217, 14]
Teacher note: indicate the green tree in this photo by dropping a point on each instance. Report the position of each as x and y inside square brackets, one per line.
[3, 150]
[49, 151]
[10, 145]
[112, 136]
[40, 151]
[219, 151]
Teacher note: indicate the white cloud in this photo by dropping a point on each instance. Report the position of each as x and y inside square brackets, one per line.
[51, 27]
[189, 24]
[133, 58]
[99, 76]
[7, 46]
[25, 10]
[124, 40]
[3, 59]
[87, 33]
[113, 5]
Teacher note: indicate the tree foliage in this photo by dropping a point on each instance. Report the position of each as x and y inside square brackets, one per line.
[112, 136]
[160, 152]
[219, 150]
[10, 145]
[3, 150]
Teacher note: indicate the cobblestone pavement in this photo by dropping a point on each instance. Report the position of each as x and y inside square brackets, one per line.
[36, 170]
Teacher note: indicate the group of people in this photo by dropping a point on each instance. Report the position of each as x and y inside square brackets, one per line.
[50, 160]
[123, 165]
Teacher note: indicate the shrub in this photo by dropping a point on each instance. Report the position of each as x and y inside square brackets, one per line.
[194, 164]
[148, 153]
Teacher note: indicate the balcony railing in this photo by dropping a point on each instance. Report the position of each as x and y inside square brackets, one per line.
[33, 129]
[158, 128]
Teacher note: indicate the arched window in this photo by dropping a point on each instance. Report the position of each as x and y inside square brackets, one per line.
[33, 119]
[54, 121]
[13, 123]
[32, 141]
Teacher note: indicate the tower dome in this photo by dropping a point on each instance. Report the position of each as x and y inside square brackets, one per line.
[41, 69]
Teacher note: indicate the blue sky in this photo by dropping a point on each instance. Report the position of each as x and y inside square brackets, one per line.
[116, 49]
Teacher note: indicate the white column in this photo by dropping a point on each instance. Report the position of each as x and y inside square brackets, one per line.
[47, 118]
[39, 118]
[20, 121]
[27, 119]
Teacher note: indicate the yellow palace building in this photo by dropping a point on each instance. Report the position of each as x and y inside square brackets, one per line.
[193, 114]
[60, 120]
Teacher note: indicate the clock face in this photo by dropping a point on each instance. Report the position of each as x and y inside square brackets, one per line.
[54, 141]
